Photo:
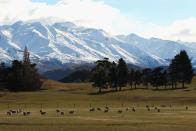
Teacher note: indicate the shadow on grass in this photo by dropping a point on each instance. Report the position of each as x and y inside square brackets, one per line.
[170, 89]
[132, 89]
[115, 91]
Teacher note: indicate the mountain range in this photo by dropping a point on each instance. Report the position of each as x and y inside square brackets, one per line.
[59, 45]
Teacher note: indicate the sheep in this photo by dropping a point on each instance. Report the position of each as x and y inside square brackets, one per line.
[158, 110]
[28, 113]
[148, 109]
[13, 111]
[106, 111]
[133, 109]
[9, 113]
[107, 108]
[120, 111]
[42, 113]
[127, 109]
[24, 113]
[62, 113]
[57, 111]
[71, 112]
[99, 109]
[187, 107]
[92, 110]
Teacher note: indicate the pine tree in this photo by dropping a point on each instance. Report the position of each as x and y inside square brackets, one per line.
[146, 75]
[156, 79]
[3, 73]
[23, 75]
[113, 76]
[137, 78]
[101, 74]
[122, 71]
[181, 70]
[164, 79]
[173, 72]
[99, 79]
[131, 78]
[184, 68]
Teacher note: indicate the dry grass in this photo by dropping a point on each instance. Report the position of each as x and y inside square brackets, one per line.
[79, 97]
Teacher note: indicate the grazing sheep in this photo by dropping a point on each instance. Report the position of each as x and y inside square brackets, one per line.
[147, 106]
[24, 113]
[148, 109]
[71, 112]
[57, 111]
[155, 108]
[62, 113]
[92, 110]
[42, 113]
[99, 109]
[133, 109]
[127, 109]
[158, 110]
[106, 111]
[107, 108]
[9, 113]
[187, 107]
[13, 111]
[28, 113]
[120, 111]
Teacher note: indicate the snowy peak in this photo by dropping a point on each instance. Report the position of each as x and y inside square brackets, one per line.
[62, 43]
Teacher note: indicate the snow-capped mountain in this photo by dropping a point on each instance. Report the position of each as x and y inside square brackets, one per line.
[54, 45]
[164, 49]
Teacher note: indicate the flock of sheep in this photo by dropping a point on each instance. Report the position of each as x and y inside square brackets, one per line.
[106, 109]
[43, 113]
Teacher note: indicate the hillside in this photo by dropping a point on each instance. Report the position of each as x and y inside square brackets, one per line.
[57, 45]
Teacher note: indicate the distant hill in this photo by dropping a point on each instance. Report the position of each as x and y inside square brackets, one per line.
[78, 76]
[62, 73]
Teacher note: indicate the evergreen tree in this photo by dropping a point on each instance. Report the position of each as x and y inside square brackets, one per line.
[164, 79]
[3, 73]
[101, 74]
[113, 76]
[173, 73]
[131, 78]
[122, 71]
[184, 68]
[100, 79]
[146, 75]
[137, 78]
[156, 79]
[23, 75]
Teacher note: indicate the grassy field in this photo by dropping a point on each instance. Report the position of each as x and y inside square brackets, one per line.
[80, 97]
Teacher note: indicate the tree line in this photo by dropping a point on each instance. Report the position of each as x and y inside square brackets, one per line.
[111, 75]
[21, 76]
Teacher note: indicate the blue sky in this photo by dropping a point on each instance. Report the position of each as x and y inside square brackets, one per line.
[157, 11]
